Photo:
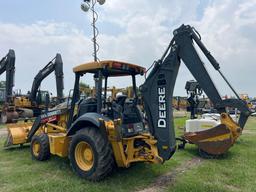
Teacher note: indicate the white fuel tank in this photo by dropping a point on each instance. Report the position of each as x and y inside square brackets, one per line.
[195, 125]
[212, 116]
[216, 116]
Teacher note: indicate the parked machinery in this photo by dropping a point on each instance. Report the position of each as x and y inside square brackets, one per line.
[37, 100]
[7, 64]
[96, 134]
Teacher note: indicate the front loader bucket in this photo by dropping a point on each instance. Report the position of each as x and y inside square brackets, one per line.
[217, 140]
[17, 133]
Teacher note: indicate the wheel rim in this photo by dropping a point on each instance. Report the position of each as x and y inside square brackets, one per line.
[36, 148]
[84, 156]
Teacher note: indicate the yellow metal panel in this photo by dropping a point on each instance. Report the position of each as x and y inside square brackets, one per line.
[22, 101]
[53, 127]
[102, 64]
[124, 150]
[18, 132]
[88, 67]
[217, 138]
[59, 144]
[232, 125]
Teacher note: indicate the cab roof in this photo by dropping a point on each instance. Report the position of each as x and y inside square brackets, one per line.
[110, 68]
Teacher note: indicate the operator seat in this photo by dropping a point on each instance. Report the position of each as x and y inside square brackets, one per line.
[87, 105]
[120, 99]
[118, 106]
[131, 113]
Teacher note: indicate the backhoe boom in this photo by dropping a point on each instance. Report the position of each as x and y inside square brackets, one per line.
[162, 80]
[7, 64]
[56, 65]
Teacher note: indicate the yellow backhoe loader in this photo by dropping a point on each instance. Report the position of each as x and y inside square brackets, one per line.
[97, 134]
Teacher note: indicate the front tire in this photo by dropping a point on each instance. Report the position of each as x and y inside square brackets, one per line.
[40, 147]
[90, 154]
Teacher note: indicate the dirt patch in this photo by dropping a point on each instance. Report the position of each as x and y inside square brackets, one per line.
[3, 132]
[164, 181]
[249, 132]
[232, 188]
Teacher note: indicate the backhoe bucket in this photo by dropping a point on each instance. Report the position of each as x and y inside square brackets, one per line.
[17, 133]
[217, 140]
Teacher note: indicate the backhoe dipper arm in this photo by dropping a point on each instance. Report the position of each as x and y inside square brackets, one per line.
[59, 77]
[7, 64]
[184, 37]
[157, 91]
[56, 65]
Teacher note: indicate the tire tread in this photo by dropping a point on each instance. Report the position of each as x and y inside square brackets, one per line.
[105, 162]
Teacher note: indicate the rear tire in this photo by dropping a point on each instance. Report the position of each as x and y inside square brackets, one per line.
[90, 154]
[40, 147]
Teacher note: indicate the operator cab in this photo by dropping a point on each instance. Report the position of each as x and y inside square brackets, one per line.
[43, 97]
[116, 107]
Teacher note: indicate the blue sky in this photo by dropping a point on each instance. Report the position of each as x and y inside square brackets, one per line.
[131, 30]
[31, 11]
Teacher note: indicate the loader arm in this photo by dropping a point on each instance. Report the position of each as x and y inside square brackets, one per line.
[56, 65]
[157, 91]
[7, 64]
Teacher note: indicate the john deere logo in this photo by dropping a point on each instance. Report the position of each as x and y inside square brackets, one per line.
[161, 108]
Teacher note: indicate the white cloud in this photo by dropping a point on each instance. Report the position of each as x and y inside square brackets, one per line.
[227, 27]
[35, 45]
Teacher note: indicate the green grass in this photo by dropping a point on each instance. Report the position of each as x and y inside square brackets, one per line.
[235, 172]
[179, 125]
[19, 173]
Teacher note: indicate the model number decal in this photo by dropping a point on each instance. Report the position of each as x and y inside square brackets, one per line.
[161, 123]
[49, 114]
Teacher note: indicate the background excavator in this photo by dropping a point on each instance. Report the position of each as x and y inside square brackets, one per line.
[7, 64]
[55, 65]
[32, 104]
[97, 134]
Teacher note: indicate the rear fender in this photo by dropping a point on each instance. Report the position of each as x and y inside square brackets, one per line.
[88, 119]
